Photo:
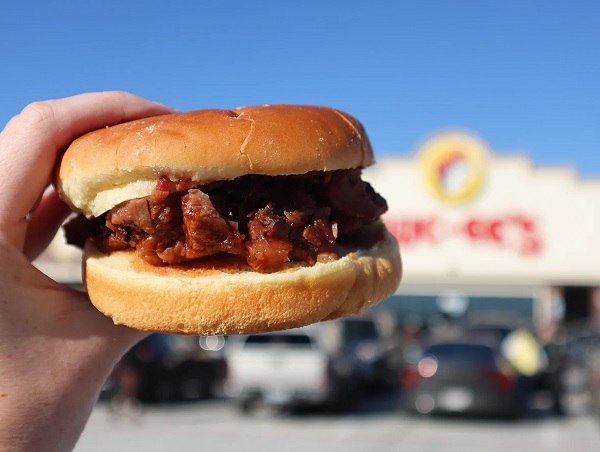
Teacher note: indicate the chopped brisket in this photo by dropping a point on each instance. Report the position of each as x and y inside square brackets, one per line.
[206, 231]
[268, 220]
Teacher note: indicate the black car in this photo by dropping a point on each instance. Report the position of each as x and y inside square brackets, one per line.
[371, 357]
[167, 368]
[462, 376]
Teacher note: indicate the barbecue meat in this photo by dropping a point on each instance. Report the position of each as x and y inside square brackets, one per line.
[267, 220]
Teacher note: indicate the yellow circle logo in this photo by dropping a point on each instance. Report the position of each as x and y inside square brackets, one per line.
[453, 166]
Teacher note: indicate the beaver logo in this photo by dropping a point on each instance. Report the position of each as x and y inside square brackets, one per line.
[454, 166]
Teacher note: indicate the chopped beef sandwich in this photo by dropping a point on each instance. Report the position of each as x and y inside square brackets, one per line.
[229, 221]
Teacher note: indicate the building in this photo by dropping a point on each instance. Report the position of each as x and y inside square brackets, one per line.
[491, 235]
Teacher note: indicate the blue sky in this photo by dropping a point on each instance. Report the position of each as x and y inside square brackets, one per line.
[523, 75]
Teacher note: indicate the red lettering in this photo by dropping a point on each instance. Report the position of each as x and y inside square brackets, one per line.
[495, 230]
[474, 229]
[484, 230]
[531, 243]
[424, 230]
[515, 232]
[408, 232]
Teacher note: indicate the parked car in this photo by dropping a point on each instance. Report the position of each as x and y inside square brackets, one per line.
[286, 368]
[463, 376]
[342, 358]
[375, 361]
[167, 368]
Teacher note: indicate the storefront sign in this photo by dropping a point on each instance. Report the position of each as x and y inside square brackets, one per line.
[516, 232]
[453, 166]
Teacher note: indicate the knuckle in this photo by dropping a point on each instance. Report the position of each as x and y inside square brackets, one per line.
[37, 113]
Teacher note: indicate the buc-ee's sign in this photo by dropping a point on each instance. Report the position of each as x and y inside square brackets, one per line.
[515, 232]
[453, 166]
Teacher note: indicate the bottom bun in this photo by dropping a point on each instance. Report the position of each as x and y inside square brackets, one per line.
[221, 295]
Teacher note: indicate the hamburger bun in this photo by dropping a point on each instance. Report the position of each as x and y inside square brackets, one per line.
[222, 294]
[111, 165]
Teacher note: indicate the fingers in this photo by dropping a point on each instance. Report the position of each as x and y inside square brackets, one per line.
[32, 140]
[43, 223]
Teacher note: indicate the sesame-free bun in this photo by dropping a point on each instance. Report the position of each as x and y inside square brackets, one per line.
[111, 165]
[221, 295]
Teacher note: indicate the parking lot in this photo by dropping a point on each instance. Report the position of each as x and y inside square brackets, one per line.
[375, 424]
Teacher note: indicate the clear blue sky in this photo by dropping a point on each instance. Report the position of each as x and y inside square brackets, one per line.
[524, 75]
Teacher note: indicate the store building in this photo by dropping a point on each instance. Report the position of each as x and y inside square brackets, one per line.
[491, 235]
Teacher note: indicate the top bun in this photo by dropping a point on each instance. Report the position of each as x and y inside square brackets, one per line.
[108, 166]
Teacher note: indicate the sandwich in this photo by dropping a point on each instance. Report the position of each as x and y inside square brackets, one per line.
[229, 221]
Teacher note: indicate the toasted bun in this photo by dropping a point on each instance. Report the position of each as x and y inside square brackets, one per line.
[111, 165]
[222, 296]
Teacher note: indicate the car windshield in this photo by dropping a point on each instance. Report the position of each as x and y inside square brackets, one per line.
[358, 330]
[280, 340]
[462, 354]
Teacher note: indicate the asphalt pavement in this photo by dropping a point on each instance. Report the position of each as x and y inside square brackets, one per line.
[375, 425]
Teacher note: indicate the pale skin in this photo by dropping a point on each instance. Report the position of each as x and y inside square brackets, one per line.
[56, 350]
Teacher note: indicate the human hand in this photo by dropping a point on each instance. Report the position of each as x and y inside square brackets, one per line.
[56, 350]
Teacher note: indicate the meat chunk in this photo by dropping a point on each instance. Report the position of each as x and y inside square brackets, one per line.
[269, 246]
[206, 231]
[134, 213]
